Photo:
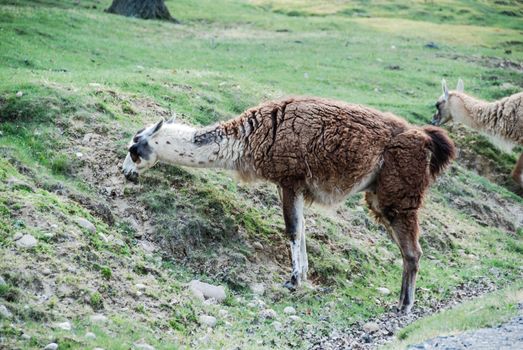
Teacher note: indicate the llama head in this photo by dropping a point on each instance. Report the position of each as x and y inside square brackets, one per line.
[142, 154]
[444, 103]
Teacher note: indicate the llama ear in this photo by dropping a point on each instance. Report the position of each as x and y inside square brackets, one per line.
[445, 89]
[172, 119]
[460, 87]
[157, 127]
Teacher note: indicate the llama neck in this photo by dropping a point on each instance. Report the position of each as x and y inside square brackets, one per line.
[203, 148]
[471, 111]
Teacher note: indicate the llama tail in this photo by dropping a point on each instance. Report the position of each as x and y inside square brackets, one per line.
[442, 147]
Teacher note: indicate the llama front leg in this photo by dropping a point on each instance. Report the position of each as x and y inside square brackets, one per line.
[517, 173]
[405, 230]
[304, 260]
[293, 216]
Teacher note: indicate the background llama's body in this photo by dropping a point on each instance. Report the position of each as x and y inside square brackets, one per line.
[317, 150]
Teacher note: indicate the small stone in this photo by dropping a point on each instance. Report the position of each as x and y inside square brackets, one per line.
[140, 286]
[90, 335]
[98, 318]
[294, 318]
[371, 327]
[383, 290]
[257, 288]
[257, 246]
[206, 320]
[278, 326]
[268, 314]
[86, 224]
[143, 346]
[66, 326]
[79, 154]
[223, 313]
[19, 94]
[51, 346]
[26, 241]
[5, 312]
[25, 336]
[289, 310]
[203, 290]
[46, 271]
[103, 237]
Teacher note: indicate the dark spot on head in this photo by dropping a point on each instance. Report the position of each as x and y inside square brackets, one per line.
[210, 160]
[140, 150]
[168, 143]
[192, 160]
[201, 162]
[156, 142]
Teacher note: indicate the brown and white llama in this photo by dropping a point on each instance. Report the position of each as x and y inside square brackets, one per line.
[501, 121]
[320, 151]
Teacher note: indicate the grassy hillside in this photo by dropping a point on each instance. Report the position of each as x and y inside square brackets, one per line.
[76, 83]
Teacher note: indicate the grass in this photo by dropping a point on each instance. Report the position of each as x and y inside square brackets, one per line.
[80, 71]
[487, 311]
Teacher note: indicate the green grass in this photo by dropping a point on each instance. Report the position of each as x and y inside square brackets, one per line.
[81, 70]
[487, 311]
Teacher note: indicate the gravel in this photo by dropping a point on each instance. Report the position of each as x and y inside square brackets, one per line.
[507, 336]
[355, 337]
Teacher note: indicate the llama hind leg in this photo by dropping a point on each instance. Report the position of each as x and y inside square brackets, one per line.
[293, 217]
[405, 230]
[517, 173]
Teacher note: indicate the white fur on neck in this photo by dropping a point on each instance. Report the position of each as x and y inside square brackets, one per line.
[464, 116]
[174, 144]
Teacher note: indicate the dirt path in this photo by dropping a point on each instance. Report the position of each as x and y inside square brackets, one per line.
[507, 336]
[383, 329]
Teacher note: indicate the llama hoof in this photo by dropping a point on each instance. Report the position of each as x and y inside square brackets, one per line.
[290, 286]
[404, 309]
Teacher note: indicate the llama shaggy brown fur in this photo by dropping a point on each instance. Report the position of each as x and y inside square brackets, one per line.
[501, 121]
[318, 150]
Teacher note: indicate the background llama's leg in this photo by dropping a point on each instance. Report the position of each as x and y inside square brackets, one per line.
[304, 260]
[293, 216]
[406, 233]
[517, 173]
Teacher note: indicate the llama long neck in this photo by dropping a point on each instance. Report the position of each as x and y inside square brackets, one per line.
[500, 120]
[204, 148]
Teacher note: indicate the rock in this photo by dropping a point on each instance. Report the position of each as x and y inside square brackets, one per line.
[51, 346]
[26, 241]
[19, 94]
[257, 288]
[294, 318]
[90, 335]
[25, 336]
[278, 326]
[257, 246]
[289, 310]
[5, 312]
[383, 290]
[142, 346]
[371, 327]
[2, 281]
[203, 290]
[79, 154]
[46, 271]
[268, 314]
[66, 326]
[223, 313]
[103, 237]
[98, 318]
[206, 320]
[86, 224]
[140, 286]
